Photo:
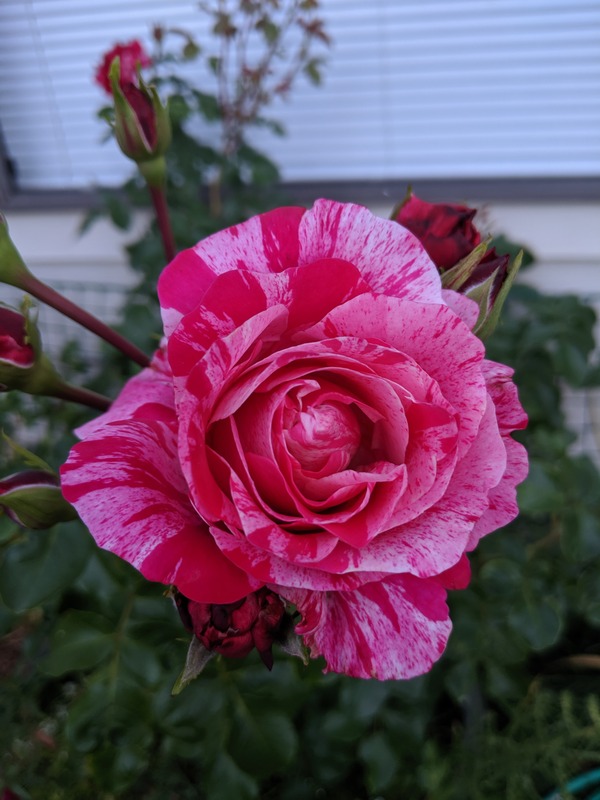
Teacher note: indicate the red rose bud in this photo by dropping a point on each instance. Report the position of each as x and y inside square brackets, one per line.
[23, 366]
[142, 124]
[445, 230]
[488, 285]
[454, 245]
[33, 499]
[132, 57]
[15, 348]
[234, 629]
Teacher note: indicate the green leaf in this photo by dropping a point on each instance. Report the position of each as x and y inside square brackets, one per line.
[179, 109]
[269, 29]
[208, 105]
[312, 70]
[539, 494]
[380, 761]
[501, 577]
[226, 781]
[119, 213]
[26, 456]
[539, 622]
[80, 641]
[580, 535]
[264, 743]
[43, 564]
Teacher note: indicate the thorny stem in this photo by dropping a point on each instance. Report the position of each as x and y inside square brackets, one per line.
[54, 299]
[161, 209]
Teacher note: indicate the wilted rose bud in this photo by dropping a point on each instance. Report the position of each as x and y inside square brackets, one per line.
[132, 57]
[234, 629]
[142, 124]
[33, 499]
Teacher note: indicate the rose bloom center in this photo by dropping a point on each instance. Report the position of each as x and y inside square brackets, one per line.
[321, 436]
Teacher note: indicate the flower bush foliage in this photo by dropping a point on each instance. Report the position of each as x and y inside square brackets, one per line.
[253, 464]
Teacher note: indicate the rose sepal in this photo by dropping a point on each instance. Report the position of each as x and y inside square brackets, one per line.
[196, 659]
[456, 277]
[33, 499]
[13, 270]
[291, 643]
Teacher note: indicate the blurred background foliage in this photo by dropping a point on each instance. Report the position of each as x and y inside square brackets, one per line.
[89, 651]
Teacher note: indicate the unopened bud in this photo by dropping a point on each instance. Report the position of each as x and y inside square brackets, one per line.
[23, 365]
[142, 124]
[33, 499]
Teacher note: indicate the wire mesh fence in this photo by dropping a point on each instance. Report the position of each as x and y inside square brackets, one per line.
[105, 300]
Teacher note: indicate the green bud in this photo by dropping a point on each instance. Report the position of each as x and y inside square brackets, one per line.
[142, 124]
[33, 499]
[12, 267]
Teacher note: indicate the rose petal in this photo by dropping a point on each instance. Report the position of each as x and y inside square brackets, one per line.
[149, 520]
[503, 498]
[438, 341]
[389, 630]
[390, 258]
[265, 567]
[265, 243]
[436, 539]
[463, 307]
[148, 395]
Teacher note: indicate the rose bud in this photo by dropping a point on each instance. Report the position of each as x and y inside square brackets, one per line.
[142, 124]
[454, 244]
[33, 499]
[23, 365]
[131, 55]
[234, 629]
[445, 230]
[15, 348]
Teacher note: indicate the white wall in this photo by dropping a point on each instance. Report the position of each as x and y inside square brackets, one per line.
[565, 239]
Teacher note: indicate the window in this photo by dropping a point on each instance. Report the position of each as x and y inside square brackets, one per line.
[413, 90]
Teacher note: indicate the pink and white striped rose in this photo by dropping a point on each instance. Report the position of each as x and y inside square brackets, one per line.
[320, 421]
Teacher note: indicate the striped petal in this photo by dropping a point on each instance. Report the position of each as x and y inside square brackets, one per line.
[125, 482]
[391, 629]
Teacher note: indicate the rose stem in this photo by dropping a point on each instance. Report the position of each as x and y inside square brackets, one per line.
[52, 298]
[159, 200]
[85, 397]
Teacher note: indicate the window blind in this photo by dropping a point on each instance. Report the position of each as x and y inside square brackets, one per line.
[412, 88]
